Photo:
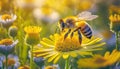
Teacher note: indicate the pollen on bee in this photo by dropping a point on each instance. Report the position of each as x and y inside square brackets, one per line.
[81, 23]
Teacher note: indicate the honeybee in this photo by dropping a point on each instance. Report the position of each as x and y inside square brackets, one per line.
[77, 23]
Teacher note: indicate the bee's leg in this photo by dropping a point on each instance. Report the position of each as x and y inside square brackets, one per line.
[71, 35]
[65, 36]
[80, 37]
[74, 31]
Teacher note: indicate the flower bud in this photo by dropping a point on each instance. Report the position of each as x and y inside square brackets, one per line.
[13, 31]
[32, 36]
[115, 23]
[32, 39]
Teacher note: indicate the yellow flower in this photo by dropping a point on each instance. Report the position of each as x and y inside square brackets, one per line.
[115, 23]
[6, 16]
[114, 9]
[56, 47]
[6, 42]
[7, 19]
[32, 34]
[46, 14]
[84, 4]
[98, 61]
[50, 67]
[7, 46]
[31, 30]
[79, 4]
[24, 67]
[29, 1]
[29, 4]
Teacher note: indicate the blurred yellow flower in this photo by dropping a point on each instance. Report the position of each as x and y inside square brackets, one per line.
[98, 61]
[115, 22]
[27, 4]
[114, 9]
[6, 42]
[7, 19]
[79, 4]
[7, 46]
[29, 1]
[32, 34]
[56, 47]
[85, 4]
[32, 30]
[0, 5]
[24, 67]
[51, 67]
[6, 16]
[46, 14]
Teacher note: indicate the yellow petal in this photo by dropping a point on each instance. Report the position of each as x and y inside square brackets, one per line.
[50, 42]
[73, 54]
[42, 54]
[42, 50]
[53, 57]
[107, 54]
[49, 55]
[84, 53]
[65, 55]
[45, 44]
[94, 41]
[56, 59]
[113, 53]
[52, 37]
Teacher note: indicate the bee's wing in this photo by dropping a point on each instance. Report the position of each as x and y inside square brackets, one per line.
[86, 16]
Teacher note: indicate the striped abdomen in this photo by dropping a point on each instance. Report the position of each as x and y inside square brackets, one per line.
[86, 31]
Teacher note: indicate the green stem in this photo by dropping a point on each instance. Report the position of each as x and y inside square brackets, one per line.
[40, 67]
[67, 63]
[117, 42]
[3, 65]
[31, 58]
[6, 57]
[13, 67]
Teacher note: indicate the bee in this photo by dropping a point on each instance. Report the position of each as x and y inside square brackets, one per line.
[77, 23]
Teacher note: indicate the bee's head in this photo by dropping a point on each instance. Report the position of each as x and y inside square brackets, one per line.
[62, 24]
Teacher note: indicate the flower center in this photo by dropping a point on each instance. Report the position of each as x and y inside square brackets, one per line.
[6, 16]
[68, 44]
[6, 42]
[11, 62]
[50, 67]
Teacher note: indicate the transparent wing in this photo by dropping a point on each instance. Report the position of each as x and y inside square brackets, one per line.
[86, 16]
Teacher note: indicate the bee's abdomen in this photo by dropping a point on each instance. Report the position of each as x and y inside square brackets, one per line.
[86, 31]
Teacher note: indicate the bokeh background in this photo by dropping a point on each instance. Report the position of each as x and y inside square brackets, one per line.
[46, 13]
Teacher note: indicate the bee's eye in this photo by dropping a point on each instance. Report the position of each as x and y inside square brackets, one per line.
[62, 24]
